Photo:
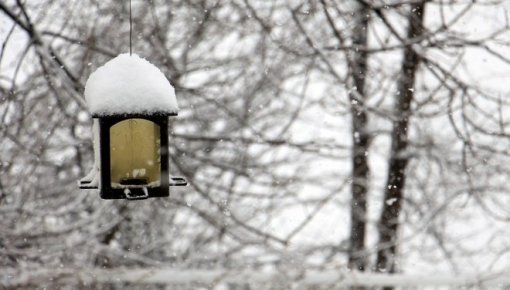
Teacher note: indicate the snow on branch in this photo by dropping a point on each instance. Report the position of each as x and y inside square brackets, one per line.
[173, 276]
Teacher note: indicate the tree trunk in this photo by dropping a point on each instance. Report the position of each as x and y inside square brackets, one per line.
[360, 143]
[394, 191]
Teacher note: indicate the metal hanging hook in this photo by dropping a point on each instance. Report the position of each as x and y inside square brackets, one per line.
[130, 30]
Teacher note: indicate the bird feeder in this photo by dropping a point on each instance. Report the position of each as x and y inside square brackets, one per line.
[130, 101]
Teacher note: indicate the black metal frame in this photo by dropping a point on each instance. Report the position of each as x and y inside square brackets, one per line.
[106, 191]
[141, 192]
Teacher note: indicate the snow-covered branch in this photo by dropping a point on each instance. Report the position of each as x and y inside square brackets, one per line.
[175, 276]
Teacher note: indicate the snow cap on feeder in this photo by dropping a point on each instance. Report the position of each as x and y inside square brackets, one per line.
[130, 100]
[129, 85]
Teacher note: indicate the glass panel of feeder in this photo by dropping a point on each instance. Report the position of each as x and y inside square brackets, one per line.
[135, 154]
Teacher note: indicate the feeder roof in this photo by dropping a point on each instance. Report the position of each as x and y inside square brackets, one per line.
[129, 84]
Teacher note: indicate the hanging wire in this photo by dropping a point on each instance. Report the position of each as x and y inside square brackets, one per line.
[130, 30]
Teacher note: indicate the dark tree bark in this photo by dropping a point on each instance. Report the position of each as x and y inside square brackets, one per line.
[394, 191]
[360, 142]
[357, 72]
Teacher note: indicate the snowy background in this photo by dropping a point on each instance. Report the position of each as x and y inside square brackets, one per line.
[287, 115]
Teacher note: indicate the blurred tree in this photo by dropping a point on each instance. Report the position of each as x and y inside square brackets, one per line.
[398, 160]
[399, 95]
[231, 89]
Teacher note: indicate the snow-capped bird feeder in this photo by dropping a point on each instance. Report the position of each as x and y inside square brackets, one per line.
[130, 101]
